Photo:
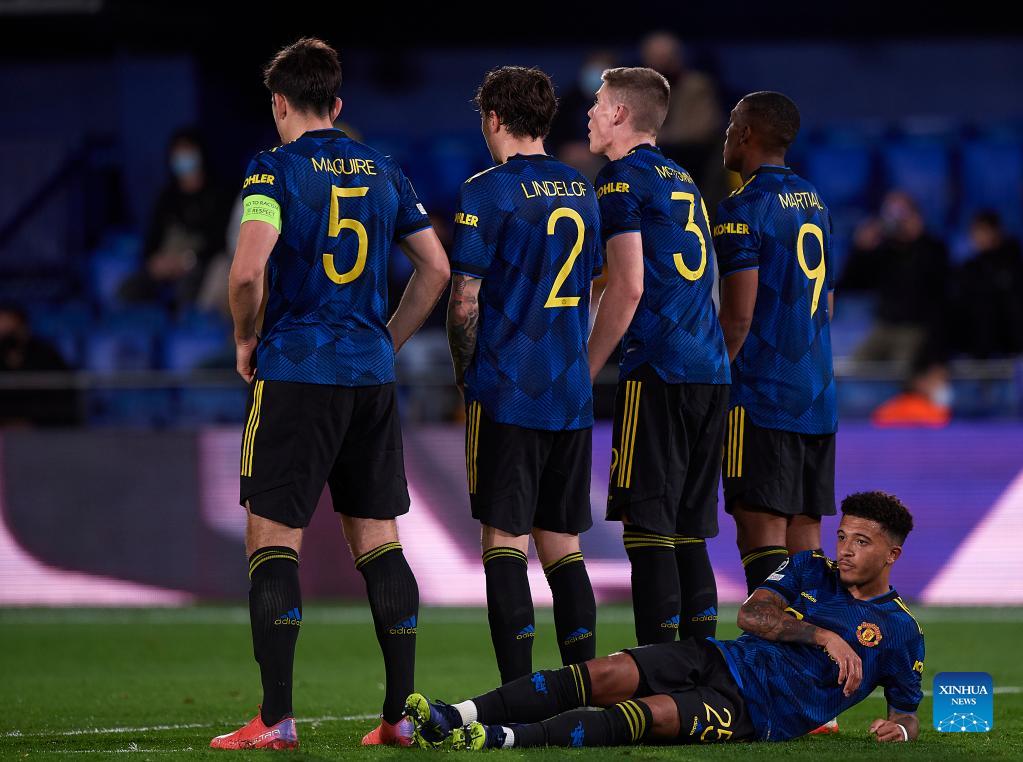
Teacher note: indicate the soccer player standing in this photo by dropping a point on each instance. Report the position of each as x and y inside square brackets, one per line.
[773, 239]
[526, 249]
[321, 215]
[673, 388]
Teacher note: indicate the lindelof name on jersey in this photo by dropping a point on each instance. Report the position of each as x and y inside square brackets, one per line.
[340, 166]
[673, 173]
[553, 188]
[800, 200]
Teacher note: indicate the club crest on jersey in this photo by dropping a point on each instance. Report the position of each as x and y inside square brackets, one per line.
[869, 634]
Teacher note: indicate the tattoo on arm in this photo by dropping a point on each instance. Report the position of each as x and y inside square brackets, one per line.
[463, 322]
[764, 615]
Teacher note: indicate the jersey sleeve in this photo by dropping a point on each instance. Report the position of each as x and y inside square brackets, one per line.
[902, 681]
[618, 194]
[412, 216]
[737, 234]
[263, 190]
[789, 579]
[474, 244]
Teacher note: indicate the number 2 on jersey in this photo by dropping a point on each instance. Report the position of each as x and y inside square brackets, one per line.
[552, 299]
[692, 227]
[817, 273]
[337, 223]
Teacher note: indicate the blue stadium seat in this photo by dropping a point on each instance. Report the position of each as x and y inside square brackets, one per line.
[108, 350]
[188, 350]
[149, 319]
[841, 172]
[921, 167]
[198, 407]
[64, 326]
[992, 178]
[107, 271]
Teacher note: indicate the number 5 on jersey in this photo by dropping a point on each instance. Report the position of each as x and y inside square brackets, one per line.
[336, 224]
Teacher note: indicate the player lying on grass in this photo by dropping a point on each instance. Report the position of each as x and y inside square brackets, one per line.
[820, 636]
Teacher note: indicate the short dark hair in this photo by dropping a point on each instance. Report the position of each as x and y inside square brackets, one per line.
[523, 99]
[307, 73]
[774, 116]
[645, 92]
[887, 510]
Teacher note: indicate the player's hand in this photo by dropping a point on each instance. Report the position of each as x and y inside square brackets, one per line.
[245, 358]
[886, 730]
[850, 668]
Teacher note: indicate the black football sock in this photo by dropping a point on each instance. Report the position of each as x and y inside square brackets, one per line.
[275, 613]
[655, 585]
[394, 601]
[760, 562]
[575, 610]
[619, 725]
[510, 611]
[531, 698]
[699, 616]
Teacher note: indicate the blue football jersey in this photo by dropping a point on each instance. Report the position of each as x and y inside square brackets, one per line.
[530, 229]
[790, 688]
[675, 328]
[783, 375]
[339, 207]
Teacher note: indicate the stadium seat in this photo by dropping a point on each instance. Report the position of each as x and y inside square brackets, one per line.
[190, 350]
[921, 167]
[841, 172]
[992, 178]
[109, 350]
[198, 407]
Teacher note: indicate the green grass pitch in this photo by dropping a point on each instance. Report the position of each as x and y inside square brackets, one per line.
[158, 684]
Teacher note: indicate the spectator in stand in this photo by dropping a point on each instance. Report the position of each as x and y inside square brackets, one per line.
[926, 401]
[989, 296]
[693, 132]
[906, 268]
[567, 138]
[186, 231]
[22, 353]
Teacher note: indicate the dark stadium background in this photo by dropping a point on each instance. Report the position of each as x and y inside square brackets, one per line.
[118, 475]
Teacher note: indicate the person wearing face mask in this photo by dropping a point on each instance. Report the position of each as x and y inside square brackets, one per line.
[906, 268]
[185, 232]
[570, 121]
[926, 401]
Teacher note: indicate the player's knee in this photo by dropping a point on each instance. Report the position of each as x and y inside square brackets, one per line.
[664, 712]
[551, 546]
[264, 533]
[363, 535]
[492, 537]
[613, 678]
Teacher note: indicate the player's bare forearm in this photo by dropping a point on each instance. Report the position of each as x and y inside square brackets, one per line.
[424, 288]
[738, 300]
[256, 240]
[619, 301]
[463, 322]
[614, 314]
[763, 614]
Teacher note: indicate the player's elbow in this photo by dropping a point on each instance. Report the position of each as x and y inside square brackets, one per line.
[244, 276]
[735, 326]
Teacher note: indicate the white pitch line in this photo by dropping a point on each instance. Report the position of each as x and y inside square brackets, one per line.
[184, 726]
[879, 693]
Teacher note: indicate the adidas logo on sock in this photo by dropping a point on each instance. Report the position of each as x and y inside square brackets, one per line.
[291, 617]
[529, 631]
[671, 624]
[406, 627]
[581, 634]
[707, 615]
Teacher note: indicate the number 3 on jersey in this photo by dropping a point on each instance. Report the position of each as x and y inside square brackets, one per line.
[336, 224]
[817, 273]
[692, 227]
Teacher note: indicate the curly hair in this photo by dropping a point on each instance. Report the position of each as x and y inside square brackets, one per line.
[522, 98]
[887, 510]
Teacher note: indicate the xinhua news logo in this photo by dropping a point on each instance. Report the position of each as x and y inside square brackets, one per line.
[964, 702]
